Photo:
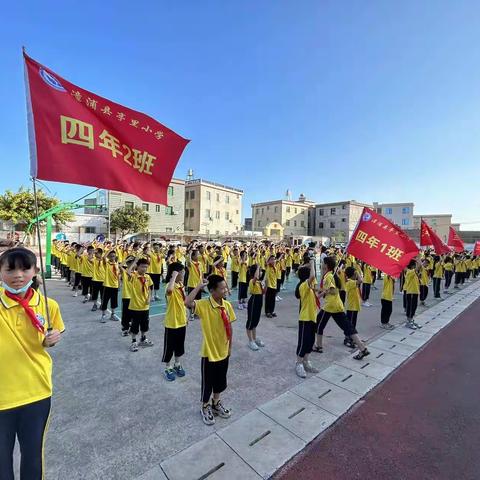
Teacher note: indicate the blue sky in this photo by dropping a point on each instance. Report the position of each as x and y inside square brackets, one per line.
[373, 101]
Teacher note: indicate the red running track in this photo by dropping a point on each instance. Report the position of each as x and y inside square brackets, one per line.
[423, 423]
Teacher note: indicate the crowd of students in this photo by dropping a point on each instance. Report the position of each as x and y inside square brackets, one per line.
[337, 287]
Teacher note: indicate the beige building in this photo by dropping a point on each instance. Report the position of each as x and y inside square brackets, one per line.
[163, 219]
[399, 213]
[212, 208]
[440, 223]
[291, 215]
[337, 220]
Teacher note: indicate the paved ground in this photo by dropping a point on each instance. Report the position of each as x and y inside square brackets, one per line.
[115, 417]
[422, 423]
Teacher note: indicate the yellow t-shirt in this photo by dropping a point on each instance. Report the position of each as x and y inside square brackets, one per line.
[26, 366]
[387, 292]
[126, 284]
[438, 272]
[156, 263]
[87, 267]
[98, 270]
[367, 274]
[255, 287]
[176, 314]
[195, 274]
[215, 345]
[271, 277]
[242, 273]
[112, 272]
[412, 283]
[424, 277]
[448, 266]
[308, 304]
[353, 296]
[235, 263]
[333, 302]
[140, 292]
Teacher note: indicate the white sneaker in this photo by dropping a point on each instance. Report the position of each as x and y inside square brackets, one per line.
[75, 294]
[279, 299]
[300, 370]
[253, 346]
[103, 319]
[366, 304]
[309, 367]
[259, 342]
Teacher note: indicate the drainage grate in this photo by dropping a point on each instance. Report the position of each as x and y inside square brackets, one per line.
[347, 377]
[296, 413]
[212, 471]
[261, 437]
[325, 393]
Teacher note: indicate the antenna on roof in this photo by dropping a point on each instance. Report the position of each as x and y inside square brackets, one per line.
[288, 195]
[190, 174]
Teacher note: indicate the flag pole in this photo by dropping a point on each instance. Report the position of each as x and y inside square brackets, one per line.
[40, 253]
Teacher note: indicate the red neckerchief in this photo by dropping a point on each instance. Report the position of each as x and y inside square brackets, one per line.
[159, 258]
[182, 292]
[24, 303]
[317, 300]
[143, 281]
[114, 268]
[195, 264]
[226, 323]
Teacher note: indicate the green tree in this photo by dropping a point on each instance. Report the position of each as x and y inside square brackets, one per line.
[19, 207]
[129, 220]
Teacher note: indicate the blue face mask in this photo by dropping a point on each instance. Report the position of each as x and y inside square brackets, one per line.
[18, 290]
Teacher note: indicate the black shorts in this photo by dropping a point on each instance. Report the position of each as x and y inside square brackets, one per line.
[340, 319]
[156, 280]
[254, 311]
[214, 377]
[173, 343]
[110, 294]
[306, 337]
[242, 291]
[140, 321]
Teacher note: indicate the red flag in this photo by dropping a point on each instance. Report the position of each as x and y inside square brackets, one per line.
[82, 138]
[381, 244]
[428, 237]
[476, 249]
[455, 241]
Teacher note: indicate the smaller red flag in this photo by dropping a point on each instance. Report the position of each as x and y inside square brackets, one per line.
[429, 237]
[476, 249]
[455, 241]
[381, 243]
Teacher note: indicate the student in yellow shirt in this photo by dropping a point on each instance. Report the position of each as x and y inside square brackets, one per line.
[309, 305]
[98, 277]
[242, 281]
[254, 308]
[387, 302]
[412, 291]
[26, 367]
[424, 277]
[139, 304]
[333, 307]
[352, 303]
[155, 270]
[216, 316]
[366, 284]
[175, 322]
[235, 266]
[110, 286]
[278, 268]
[288, 263]
[126, 296]
[437, 276]
[87, 273]
[271, 284]
[77, 263]
[448, 269]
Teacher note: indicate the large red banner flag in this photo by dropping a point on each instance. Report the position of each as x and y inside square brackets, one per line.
[79, 137]
[455, 241]
[381, 243]
[429, 237]
[476, 248]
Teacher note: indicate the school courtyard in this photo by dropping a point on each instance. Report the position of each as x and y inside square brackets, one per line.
[115, 417]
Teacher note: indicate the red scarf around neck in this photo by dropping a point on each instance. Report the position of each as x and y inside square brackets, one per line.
[24, 303]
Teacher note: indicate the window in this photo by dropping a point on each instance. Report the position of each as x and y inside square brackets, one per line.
[320, 225]
[209, 196]
[379, 210]
[302, 223]
[332, 224]
[262, 211]
[344, 220]
[295, 209]
[276, 210]
[294, 223]
[406, 210]
[217, 214]
[129, 205]
[257, 211]
[388, 211]
[333, 211]
[169, 230]
[186, 213]
[207, 214]
[89, 229]
[287, 223]
[192, 194]
[320, 212]
[238, 196]
[217, 232]
[405, 221]
[227, 199]
[237, 212]
[157, 208]
[344, 207]
[218, 199]
[258, 223]
[268, 219]
[227, 216]
[268, 207]
[168, 210]
[192, 212]
[170, 191]
[288, 209]
[145, 206]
